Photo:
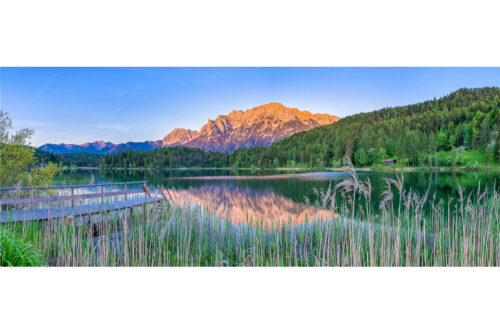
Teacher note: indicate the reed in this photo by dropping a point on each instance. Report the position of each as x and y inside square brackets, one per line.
[408, 230]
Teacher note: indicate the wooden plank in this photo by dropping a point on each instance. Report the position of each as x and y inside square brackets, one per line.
[60, 212]
[173, 203]
[19, 201]
[163, 194]
[68, 186]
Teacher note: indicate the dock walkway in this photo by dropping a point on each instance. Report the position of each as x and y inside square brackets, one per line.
[43, 214]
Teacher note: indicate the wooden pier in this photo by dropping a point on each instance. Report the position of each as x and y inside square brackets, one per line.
[49, 213]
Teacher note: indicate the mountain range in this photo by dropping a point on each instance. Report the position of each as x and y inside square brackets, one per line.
[260, 126]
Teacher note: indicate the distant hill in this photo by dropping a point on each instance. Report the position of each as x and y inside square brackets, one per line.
[96, 147]
[260, 126]
[100, 147]
[136, 146]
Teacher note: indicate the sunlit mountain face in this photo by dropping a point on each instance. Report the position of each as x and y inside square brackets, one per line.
[241, 205]
[260, 126]
[178, 137]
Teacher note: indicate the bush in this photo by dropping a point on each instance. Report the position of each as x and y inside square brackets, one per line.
[17, 252]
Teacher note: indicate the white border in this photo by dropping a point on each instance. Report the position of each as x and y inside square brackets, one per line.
[252, 33]
[256, 33]
[249, 300]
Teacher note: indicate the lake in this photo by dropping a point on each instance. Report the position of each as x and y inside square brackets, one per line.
[286, 197]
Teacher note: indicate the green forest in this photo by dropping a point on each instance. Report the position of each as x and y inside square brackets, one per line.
[461, 129]
[172, 157]
[71, 160]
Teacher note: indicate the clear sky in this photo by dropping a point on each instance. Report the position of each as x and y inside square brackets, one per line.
[75, 105]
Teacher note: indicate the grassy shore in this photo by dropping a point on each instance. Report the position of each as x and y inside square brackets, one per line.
[397, 168]
[407, 230]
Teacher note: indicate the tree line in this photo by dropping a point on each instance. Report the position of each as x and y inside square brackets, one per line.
[72, 160]
[171, 157]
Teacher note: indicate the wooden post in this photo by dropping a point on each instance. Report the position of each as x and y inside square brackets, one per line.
[31, 198]
[146, 190]
[72, 199]
[125, 191]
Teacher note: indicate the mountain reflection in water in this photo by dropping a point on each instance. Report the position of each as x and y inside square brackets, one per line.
[247, 206]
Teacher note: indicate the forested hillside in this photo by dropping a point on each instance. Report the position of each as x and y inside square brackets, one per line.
[172, 157]
[467, 118]
[72, 159]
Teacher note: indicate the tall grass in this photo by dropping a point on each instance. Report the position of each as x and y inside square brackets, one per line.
[17, 252]
[408, 230]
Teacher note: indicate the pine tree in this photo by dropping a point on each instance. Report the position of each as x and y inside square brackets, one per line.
[490, 152]
[484, 134]
[442, 140]
[467, 135]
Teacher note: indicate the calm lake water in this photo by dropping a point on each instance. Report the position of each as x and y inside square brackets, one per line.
[277, 196]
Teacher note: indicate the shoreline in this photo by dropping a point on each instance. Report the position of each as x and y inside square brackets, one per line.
[343, 169]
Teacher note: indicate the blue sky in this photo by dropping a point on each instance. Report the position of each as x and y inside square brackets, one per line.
[75, 105]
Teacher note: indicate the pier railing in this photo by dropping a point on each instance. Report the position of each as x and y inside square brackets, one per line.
[32, 200]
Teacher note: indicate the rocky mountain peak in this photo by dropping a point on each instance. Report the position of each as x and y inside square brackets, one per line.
[178, 137]
[261, 125]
